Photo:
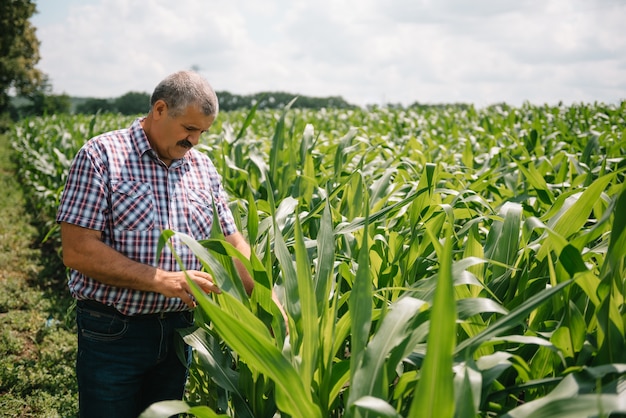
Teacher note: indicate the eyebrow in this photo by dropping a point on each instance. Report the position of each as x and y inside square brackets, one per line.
[193, 127]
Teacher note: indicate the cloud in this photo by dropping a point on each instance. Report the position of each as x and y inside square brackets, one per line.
[367, 51]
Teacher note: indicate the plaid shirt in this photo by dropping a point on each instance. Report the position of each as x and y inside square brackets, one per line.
[117, 185]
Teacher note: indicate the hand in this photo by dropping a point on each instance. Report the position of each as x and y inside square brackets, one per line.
[174, 284]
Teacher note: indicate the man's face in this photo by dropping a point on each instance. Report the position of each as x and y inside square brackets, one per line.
[171, 137]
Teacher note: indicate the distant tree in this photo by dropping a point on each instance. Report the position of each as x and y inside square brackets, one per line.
[133, 103]
[422, 106]
[278, 100]
[92, 106]
[19, 51]
[40, 102]
[334, 102]
[229, 101]
[43, 102]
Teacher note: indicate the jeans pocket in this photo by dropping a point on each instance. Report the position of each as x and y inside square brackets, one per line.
[185, 319]
[100, 326]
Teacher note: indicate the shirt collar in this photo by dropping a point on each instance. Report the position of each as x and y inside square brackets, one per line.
[139, 138]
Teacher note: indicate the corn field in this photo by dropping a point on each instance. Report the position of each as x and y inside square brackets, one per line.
[444, 262]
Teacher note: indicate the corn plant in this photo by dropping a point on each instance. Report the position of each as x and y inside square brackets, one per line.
[45, 147]
[501, 230]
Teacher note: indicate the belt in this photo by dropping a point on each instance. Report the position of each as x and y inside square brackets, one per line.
[101, 307]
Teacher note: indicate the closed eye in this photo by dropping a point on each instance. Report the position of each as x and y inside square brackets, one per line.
[193, 129]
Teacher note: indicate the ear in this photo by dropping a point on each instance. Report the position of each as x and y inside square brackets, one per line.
[159, 109]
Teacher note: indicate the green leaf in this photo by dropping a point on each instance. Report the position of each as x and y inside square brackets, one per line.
[397, 326]
[434, 395]
[381, 408]
[512, 319]
[467, 391]
[248, 336]
[278, 142]
[572, 398]
[246, 122]
[227, 280]
[165, 409]
[381, 214]
[306, 295]
[253, 219]
[213, 362]
[360, 303]
[570, 337]
[536, 180]
[469, 307]
[339, 378]
[575, 212]
[502, 246]
[290, 279]
[611, 336]
[572, 261]
[325, 260]
[576, 407]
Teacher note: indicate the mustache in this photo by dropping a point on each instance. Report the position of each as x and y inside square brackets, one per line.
[184, 143]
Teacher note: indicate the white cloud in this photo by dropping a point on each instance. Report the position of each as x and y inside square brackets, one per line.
[367, 51]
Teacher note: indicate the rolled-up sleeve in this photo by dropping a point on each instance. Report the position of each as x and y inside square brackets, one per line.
[84, 198]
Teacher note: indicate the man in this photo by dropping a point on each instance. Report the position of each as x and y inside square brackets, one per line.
[124, 187]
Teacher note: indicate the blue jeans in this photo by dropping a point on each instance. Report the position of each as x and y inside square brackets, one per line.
[125, 364]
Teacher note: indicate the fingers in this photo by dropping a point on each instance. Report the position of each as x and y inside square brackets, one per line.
[188, 299]
[204, 280]
[174, 284]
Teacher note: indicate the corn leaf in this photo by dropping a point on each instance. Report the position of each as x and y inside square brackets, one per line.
[360, 304]
[434, 395]
[306, 295]
[165, 409]
[248, 337]
[396, 327]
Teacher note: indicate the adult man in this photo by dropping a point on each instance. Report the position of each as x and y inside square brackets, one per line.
[123, 189]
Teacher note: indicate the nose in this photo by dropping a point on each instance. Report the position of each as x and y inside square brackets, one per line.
[194, 138]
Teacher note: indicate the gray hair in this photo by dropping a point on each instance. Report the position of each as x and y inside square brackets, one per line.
[185, 88]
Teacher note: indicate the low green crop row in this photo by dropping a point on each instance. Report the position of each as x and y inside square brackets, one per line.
[433, 263]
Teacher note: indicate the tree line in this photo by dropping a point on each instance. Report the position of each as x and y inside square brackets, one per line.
[133, 103]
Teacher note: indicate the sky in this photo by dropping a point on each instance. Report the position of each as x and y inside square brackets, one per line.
[370, 52]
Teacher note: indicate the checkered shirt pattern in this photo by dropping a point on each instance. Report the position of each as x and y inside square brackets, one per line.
[118, 185]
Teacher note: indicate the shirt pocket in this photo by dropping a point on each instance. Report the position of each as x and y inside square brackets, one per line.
[132, 206]
[201, 212]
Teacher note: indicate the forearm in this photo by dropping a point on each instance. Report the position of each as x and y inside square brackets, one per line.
[97, 260]
[84, 251]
